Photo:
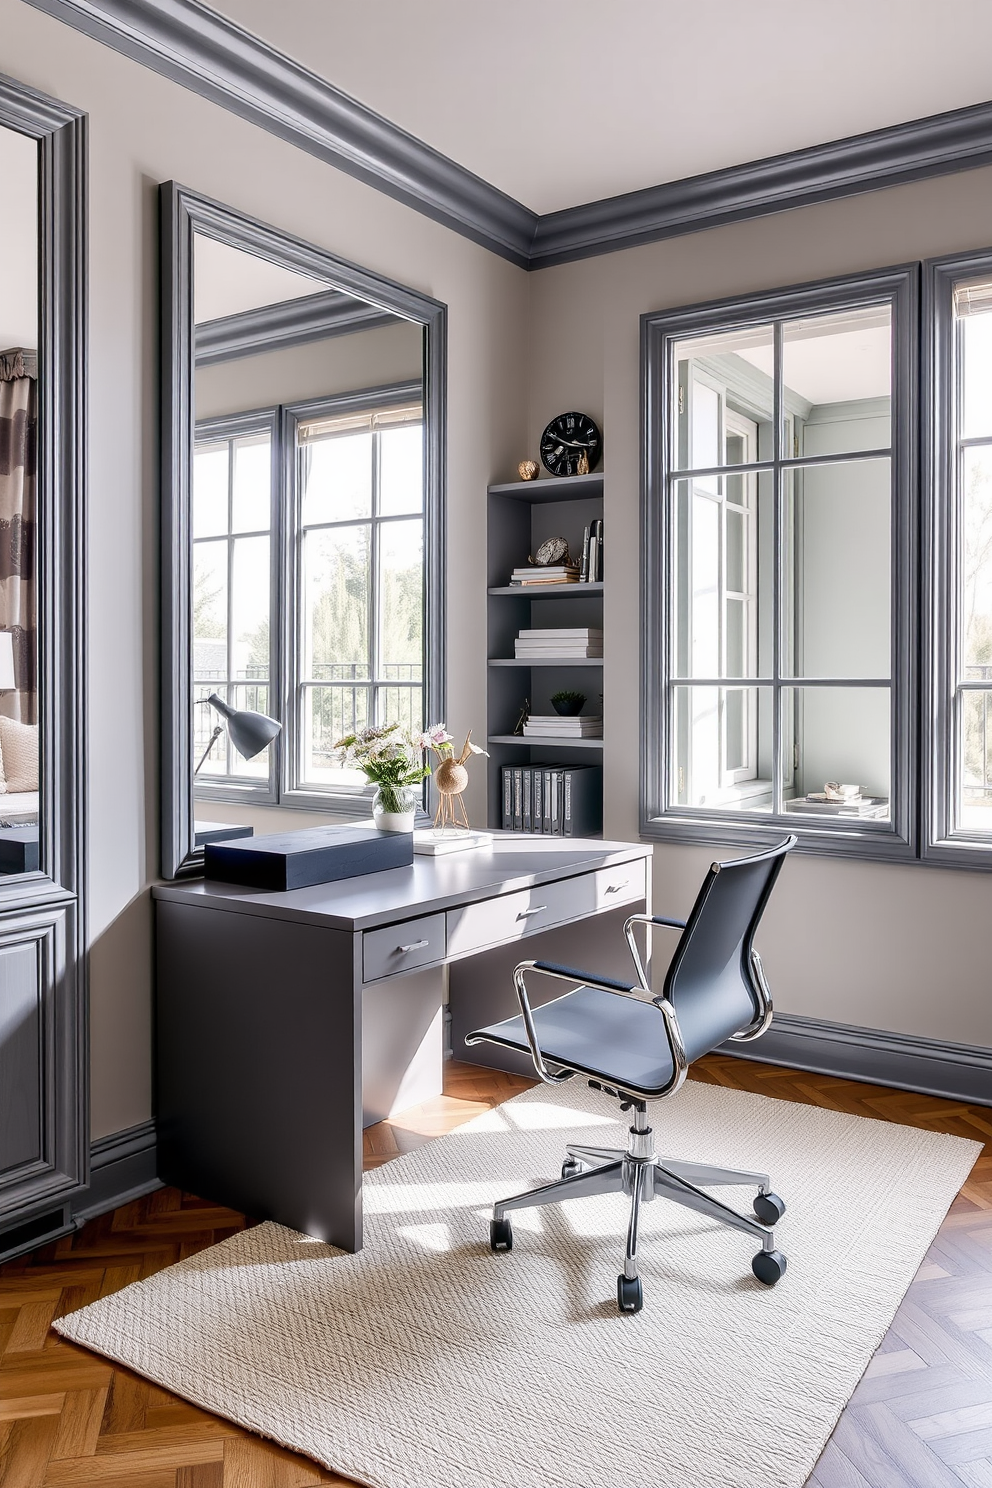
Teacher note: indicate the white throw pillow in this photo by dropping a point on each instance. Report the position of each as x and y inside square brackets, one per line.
[19, 752]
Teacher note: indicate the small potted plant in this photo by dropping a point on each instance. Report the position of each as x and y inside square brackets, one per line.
[566, 704]
[392, 760]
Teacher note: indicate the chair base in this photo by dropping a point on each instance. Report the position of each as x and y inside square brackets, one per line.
[642, 1176]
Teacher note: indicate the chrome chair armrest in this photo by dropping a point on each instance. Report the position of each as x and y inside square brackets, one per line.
[763, 997]
[561, 974]
[628, 930]
[673, 1033]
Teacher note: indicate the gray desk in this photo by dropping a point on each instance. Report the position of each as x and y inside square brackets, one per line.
[286, 1021]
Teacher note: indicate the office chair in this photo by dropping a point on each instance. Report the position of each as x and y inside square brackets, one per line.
[634, 1050]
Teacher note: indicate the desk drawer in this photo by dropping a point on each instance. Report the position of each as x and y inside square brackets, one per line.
[402, 947]
[513, 916]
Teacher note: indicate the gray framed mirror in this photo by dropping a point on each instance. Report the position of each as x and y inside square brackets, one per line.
[302, 523]
[44, 1137]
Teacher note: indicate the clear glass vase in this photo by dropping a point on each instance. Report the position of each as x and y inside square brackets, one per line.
[394, 807]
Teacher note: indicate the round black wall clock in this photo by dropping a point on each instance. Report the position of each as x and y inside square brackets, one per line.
[571, 445]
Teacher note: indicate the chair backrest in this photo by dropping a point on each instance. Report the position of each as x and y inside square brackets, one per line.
[710, 981]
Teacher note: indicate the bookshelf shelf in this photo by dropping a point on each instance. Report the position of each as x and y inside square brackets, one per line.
[547, 661]
[522, 515]
[557, 743]
[549, 591]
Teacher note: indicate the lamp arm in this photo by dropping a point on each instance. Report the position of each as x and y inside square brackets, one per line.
[218, 730]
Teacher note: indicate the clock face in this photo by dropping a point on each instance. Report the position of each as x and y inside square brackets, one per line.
[569, 439]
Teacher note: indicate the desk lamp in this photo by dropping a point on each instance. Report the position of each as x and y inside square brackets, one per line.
[250, 732]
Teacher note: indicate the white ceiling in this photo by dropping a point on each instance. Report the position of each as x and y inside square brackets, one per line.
[559, 102]
[18, 241]
[227, 281]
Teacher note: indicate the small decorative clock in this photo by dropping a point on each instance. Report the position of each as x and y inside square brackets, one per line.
[571, 445]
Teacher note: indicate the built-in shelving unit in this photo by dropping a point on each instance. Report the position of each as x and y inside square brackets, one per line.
[522, 514]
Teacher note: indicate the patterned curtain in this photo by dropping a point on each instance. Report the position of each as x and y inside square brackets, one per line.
[18, 511]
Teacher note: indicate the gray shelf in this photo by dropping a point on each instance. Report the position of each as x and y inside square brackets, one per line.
[555, 488]
[544, 661]
[551, 591]
[555, 743]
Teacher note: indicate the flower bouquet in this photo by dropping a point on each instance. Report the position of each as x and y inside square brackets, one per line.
[391, 758]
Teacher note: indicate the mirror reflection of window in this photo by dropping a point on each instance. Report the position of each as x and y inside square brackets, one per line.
[782, 566]
[232, 495]
[361, 486]
[19, 749]
[307, 484]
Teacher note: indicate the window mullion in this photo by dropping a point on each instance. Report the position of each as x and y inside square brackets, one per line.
[375, 659]
[777, 575]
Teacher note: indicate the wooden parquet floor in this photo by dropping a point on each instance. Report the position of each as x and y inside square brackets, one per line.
[921, 1417]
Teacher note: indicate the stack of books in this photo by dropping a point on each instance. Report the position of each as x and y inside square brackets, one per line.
[555, 800]
[553, 726]
[558, 573]
[561, 643]
[865, 808]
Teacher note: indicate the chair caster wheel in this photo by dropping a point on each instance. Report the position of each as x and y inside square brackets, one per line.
[769, 1266]
[630, 1293]
[500, 1235]
[570, 1167]
[769, 1208]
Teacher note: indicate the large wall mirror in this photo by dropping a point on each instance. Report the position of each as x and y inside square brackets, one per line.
[44, 1140]
[302, 511]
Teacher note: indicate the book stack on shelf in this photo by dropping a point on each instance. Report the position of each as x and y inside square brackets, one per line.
[554, 800]
[582, 642]
[534, 576]
[865, 808]
[553, 726]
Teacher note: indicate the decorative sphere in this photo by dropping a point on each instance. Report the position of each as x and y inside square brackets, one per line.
[450, 777]
[527, 469]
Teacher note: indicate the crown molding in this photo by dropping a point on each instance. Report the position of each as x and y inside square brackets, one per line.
[288, 323]
[204, 51]
[209, 54]
[938, 145]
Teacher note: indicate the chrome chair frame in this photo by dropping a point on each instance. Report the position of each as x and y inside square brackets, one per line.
[637, 1170]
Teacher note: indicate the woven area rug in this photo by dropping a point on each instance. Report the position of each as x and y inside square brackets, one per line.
[426, 1361]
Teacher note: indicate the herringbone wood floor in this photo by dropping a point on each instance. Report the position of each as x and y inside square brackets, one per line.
[921, 1417]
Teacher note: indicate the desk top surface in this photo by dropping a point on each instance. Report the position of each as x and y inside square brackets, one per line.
[429, 885]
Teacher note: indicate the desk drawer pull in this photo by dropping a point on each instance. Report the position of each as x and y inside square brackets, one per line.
[415, 945]
[616, 888]
[525, 914]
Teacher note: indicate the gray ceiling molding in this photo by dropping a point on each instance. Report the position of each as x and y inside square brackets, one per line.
[204, 51]
[943, 143]
[288, 323]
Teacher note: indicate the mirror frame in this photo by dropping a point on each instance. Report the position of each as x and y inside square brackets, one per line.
[183, 213]
[60, 132]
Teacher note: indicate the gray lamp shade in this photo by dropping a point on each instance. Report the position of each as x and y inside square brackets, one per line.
[250, 732]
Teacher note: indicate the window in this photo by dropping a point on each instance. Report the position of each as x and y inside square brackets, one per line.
[360, 562]
[232, 562]
[960, 759]
[778, 576]
[309, 586]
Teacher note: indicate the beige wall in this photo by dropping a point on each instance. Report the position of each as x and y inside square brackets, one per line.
[143, 130]
[865, 944]
[899, 948]
[319, 369]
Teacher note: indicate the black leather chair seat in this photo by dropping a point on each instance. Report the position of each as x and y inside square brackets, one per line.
[617, 1039]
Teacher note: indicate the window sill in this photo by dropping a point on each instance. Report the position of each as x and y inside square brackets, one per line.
[875, 841]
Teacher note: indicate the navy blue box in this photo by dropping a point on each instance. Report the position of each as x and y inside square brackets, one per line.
[293, 860]
[19, 849]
